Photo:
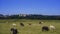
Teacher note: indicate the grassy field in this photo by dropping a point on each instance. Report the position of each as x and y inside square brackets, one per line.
[35, 28]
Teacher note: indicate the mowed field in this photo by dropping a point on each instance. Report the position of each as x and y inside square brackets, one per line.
[34, 28]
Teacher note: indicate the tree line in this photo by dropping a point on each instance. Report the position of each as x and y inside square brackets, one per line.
[31, 16]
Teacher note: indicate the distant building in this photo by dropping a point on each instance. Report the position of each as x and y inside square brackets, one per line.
[24, 15]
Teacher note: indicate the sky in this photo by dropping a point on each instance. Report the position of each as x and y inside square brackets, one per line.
[43, 7]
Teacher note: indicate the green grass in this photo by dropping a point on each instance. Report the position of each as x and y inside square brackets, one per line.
[35, 28]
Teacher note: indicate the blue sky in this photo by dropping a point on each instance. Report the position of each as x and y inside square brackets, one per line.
[44, 7]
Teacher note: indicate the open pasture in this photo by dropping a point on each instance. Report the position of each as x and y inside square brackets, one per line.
[34, 28]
